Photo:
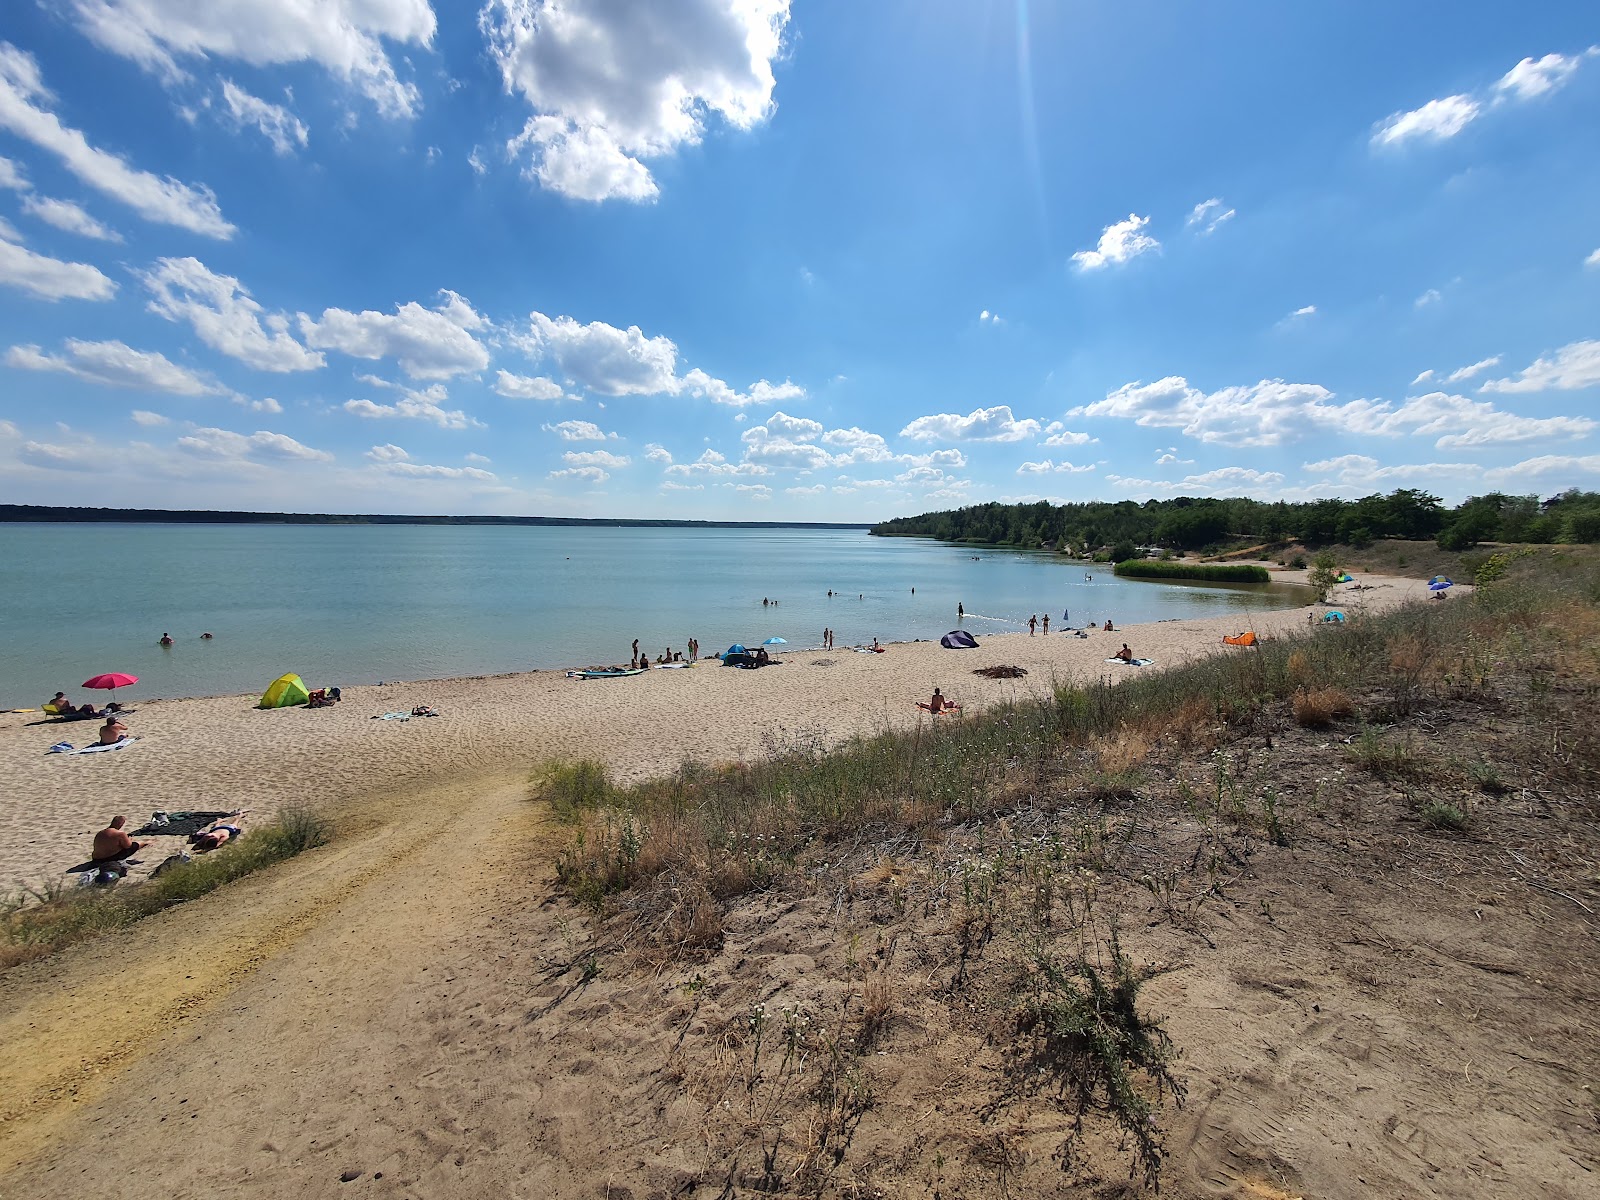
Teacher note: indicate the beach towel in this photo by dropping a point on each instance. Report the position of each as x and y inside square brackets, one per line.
[393, 716]
[98, 749]
[948, 709]
[1138, 662]
[62, 748]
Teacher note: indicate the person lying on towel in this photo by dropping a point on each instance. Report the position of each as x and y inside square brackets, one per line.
[219, 833]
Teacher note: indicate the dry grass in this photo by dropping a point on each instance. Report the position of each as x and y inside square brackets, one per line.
[1316, 707]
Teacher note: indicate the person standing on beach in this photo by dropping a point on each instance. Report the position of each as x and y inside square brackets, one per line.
[1033, 624]
[1047, 625]
[634, 661]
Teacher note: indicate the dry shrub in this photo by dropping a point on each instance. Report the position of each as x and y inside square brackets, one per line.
[1194, 724]
[1409, 655]
[877, 1005]
[1126, 751]
[886, 872]
[1299, 668]
[1316, 707]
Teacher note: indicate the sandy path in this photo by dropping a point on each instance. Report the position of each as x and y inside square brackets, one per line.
[222, 753]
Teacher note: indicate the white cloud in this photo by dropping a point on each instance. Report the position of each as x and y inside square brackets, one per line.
[1208, 215]
[276, 123]
[405, 468]
[50, 278]
[1593, 260]
[428, 343]
[614, 84]
[1118, 243]
[595, 458]
[1422, 377]
[657, 454]
[1047, 467]
[1230, 481]
[1468, 372]
[149, 419]
[1267, 413]
[475, 161]
[1435, 120]
[527, 387]
[224, 316]
[624, 362]
[981, 425]
[477, 458]
[115, 364]
[988, 318]
[1531, 78]
[786, 442]
[1559, 467]
[343, 36]
[753, 491]
[712, 463]
[222, 443]
[578, 431]
[1461, 422]
[587, 474]
[1310, 310]
[816, 489]
[165, 201]
[1059, 435]
[1170, 458]
[1362, 471]
[388, 453]
[1575, 365]
[11, 176]
[425, 405]
[66, 215]
[266, 404]
[1431, 296]
[668, 485]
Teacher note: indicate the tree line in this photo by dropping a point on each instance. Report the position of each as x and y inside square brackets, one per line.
[1190, 523]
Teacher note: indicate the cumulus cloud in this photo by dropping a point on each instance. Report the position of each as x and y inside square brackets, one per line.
[1469, 371]
[1532, 78]
[1267, 413]
[224, 444]
[657, 454]
[66, 215]
[988, 318]
[11, 176]
[23, 111]
[1575, 365]
[714, 464]
[612, 85]
[753, 491]
[587, 474]
[275, 122]
[393, 460]
[981, 425]
[526, 387]
[786, 442]
[428, 343]
[1461, 422]
[344, 37]
[610, 361]
[115, 364]
[1230, 481]
[388, 453]
[1118, 243]
[224, 316]
[1059, 435]
[1436, 121]
[595, 458]
[1047, 467]
[1422, 377]
[424, 405]
[50, 278]
[1593, 260]
[148, 419]
[578, 431]
[1207, 216]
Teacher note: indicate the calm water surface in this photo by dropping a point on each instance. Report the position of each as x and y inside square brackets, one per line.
[350, 604]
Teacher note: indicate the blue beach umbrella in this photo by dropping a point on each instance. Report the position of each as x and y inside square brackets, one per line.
[775, 641]
[1438, 583]
[1333, 614]
[736, 648]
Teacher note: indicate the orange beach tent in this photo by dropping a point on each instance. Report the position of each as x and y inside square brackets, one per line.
[1247, 638]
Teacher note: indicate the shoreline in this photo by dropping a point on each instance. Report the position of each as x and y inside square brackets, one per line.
[220, 752]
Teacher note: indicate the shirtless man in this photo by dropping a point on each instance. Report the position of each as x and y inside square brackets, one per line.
[113, 731]
[938, 703]
[1124, 654]
[112, 844]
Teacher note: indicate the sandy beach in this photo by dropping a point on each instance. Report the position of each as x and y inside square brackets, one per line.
[223, 753]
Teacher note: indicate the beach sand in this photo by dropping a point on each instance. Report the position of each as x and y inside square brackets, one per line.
[221, 752]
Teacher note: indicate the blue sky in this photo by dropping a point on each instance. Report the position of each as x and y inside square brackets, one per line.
[771, 259]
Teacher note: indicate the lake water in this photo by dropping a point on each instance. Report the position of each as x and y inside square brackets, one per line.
[348, 604]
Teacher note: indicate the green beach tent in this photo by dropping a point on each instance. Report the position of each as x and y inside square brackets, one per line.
[286, 690]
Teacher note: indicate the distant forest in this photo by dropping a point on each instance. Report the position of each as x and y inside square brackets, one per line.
[1187, 523]
[37, 512]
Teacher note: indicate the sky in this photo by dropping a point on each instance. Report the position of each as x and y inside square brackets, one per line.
[823, 260]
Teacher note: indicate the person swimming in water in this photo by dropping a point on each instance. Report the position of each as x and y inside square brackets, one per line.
[166, 639]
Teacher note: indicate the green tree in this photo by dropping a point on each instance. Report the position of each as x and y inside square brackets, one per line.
[1324, 572]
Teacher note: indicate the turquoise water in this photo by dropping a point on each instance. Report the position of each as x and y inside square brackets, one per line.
[350, 604]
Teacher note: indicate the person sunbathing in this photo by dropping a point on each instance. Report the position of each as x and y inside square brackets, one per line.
[938, 704]
[1124, 654]
[64, 707]
[112, 844]
[113, 731]
[218, 833]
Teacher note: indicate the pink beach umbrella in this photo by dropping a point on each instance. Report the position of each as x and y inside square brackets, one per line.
[111, 682]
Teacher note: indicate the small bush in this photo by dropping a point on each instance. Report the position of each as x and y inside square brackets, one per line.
[1298, 562]
[1210, 572]
[1436, 814]
[1315, 708]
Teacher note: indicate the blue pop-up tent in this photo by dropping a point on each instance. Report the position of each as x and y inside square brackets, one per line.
[958, 639]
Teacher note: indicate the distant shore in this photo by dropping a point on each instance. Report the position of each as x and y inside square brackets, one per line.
[221, 752]
[54, 514]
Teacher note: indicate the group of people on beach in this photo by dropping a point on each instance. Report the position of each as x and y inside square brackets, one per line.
[114, 847]
[640, 661]
[112, 732]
